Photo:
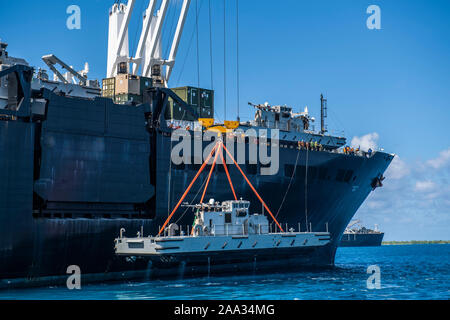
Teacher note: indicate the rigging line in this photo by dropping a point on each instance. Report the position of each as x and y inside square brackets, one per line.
[219, 149]
[306, 189]
[334, 117]
[185, 58]
[252, 187]
[228, 175]
[188, 189]
[211, 55]
[195, 197]
[174, 11]
[225, 59]
[237, 60]
[134, 45]
[188, 51]
[210, 46]
[290, 183]
[198, 52]
[164, 28]
[169, 202]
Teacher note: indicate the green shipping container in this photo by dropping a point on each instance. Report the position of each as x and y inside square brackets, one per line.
[176, 112]
[202, 100]
[125, 98]
[145, 84]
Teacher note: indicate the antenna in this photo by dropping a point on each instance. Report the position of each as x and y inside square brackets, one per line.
[323, 114]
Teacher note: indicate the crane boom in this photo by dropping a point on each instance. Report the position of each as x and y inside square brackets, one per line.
[118, 36]
[351, 224]
[177, 38]
[144, 35]
[51, 60]
[155, 38]
[148, 53]
[125, 24]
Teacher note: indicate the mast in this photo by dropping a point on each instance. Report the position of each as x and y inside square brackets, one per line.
[323, 114]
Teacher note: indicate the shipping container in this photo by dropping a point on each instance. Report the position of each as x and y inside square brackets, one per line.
[174, 111]
[125, 87]
[206, 113]
[145, 84]
[125, 98]
[201, 100]
[109, 88]
[128, 84]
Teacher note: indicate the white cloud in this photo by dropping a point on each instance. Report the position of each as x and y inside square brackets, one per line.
[424, 186]
[369, 141]
[441, 161]
[398, 169]
[414, 203]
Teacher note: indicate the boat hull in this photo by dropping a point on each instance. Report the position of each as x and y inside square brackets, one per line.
[362, 240]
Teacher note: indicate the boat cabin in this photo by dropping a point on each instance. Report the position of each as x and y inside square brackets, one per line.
[228, 218]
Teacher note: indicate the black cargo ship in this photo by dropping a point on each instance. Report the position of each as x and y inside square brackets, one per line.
[76, 167]
[362, 240]
[361, 237]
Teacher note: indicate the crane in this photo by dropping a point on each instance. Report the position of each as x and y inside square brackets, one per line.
[148, 53]
[351, 224]
[51, 60]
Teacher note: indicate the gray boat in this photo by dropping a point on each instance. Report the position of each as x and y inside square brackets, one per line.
[224, 237]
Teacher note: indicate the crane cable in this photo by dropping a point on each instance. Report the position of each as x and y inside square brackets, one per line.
[188, 51]
[210, 46]
[224, 60]
[228, 175]
[237, 60]
[217, 148]
[306, 190]
[187, 190]
[290, 183]
[171, 28]
[253, 189]
[135, 43]
[198, 52]
[193, 199]
[170, 178]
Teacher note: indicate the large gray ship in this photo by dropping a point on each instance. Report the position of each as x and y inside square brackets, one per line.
[79, 162]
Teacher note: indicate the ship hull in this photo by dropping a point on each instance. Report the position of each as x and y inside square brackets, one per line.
[233, 262]
[38, 246]
[362, 240]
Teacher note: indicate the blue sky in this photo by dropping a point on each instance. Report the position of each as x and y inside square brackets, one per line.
[389, 87]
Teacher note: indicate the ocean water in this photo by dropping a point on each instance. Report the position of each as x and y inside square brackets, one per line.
[406, 272]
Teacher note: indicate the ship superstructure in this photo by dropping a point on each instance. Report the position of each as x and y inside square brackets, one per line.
[78, 166]
[356, 235]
